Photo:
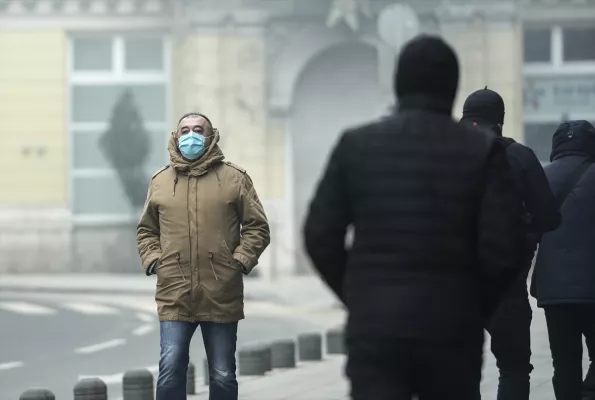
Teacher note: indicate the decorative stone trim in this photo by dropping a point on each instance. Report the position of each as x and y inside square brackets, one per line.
[83, 7]
[494, 11]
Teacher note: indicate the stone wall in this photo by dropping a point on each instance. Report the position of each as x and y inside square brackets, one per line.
[34, 241]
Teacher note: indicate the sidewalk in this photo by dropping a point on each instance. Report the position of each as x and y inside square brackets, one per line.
[309, 381]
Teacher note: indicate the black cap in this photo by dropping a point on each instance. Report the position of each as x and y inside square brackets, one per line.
[484, 106]
[427, 66]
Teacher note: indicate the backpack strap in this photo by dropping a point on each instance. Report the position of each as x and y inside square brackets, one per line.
[507, 141]
[575, 176]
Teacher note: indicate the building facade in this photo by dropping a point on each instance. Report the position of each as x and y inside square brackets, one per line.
[280, 79]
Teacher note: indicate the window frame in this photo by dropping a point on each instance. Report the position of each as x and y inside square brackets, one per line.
[557, 63]
[118, 75]
[542, 28]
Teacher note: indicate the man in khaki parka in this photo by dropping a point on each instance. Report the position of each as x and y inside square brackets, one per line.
[202, 228]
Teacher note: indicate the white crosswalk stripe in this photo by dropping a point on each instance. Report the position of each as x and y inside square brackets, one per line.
[90, 308]
[11, 365]
[95, 348]
[22, 307]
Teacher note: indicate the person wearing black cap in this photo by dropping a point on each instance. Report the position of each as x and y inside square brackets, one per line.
[435, 220]
[510, 327]
[564, 282]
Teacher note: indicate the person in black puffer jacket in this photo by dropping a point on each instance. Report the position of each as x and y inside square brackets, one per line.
[510, 328]
[436, 237]
[565, 266]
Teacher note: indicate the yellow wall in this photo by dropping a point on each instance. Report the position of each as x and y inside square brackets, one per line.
[33, 114]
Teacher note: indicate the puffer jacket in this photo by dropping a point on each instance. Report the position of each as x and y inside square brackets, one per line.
[565, 265]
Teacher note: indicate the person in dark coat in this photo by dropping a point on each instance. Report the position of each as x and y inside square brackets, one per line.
[510, 327]
[435, 219]
[565, 266]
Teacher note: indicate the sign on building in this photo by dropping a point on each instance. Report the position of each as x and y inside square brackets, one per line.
[556, 96]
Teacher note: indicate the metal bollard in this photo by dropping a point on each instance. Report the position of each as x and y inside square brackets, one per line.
[310, 347]
[283, 354]
[37, 394]
[138, 385]
[190, 379]
[253, 360]
[90, 389]
[335, 341]
[206, 372]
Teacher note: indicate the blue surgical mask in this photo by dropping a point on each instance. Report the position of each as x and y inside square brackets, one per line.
[192, 145]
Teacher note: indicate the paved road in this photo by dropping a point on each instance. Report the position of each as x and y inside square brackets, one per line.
[52, 340]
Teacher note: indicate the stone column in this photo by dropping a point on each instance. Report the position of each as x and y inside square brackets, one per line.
[220, 68]
[280, 257]
[488, 40]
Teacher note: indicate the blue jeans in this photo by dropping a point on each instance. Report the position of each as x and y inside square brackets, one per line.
[220, 346]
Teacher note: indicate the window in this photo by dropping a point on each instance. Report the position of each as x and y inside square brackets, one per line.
[579, 44]
[537, 45]
[143, 54]
[102, 70]
[94, 103]
[538, 136]
[92, 54]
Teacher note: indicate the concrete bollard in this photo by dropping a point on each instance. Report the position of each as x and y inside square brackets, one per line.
[90, 389]
[310, 347]
[37, 394]
[335, 341]
[190, 379]
[206, 372]
[138, 385]
[283, 354]
[253, 360]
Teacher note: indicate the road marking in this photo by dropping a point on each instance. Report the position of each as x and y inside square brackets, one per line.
[22, 307]
[101, 346]
[145, 317]
[143, 330]
[117, 378]
[11, 365]
[91, 308]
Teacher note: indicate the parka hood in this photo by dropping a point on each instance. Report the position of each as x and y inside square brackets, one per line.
[213, 155]
[573, 138]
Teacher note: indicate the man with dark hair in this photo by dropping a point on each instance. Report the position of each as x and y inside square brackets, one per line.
[202, 227]
[436, 229]
[510, 327]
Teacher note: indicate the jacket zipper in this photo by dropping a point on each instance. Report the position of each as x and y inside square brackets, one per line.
[180, 266]
[212, 267]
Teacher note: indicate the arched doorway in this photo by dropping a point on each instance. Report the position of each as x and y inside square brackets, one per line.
[337, 89]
